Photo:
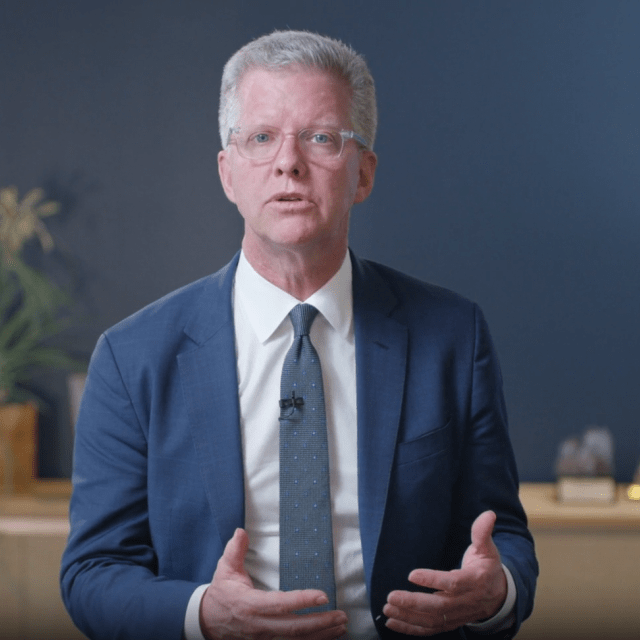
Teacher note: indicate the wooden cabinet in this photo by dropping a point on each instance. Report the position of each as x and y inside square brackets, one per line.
[589, 585]
[33, 533]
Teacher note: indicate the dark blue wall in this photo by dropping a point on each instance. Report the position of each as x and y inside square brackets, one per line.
[508, 170]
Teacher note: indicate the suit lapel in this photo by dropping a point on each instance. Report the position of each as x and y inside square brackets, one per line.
[209, 382]
[381, 353]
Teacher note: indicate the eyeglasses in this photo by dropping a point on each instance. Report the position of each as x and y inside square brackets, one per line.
[318, 143]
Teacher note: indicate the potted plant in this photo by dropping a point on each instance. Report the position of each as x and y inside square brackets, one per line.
[31, 307]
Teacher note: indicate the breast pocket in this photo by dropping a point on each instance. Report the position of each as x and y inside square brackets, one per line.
[428, 445]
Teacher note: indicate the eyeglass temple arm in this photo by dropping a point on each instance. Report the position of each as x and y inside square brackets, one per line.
[347, 135]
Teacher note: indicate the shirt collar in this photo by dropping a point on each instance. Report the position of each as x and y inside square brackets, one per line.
[266, 306]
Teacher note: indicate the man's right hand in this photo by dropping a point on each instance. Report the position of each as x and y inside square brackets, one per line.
[233, 609]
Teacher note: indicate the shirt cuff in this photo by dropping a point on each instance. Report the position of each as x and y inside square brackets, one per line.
[505, 618]
[192, 629]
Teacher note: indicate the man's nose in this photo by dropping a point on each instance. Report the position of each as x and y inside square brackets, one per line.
[290, 160]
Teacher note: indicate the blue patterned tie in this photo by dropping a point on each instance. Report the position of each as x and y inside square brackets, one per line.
[306, 542]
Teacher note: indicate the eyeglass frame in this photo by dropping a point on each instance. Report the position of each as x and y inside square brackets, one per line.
[344, 134]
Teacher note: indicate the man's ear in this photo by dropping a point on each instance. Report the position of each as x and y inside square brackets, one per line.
[224, 170]
[366, 175]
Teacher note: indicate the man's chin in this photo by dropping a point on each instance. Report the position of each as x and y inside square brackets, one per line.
[297, 237]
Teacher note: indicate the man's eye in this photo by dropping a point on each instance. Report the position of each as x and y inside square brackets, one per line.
[321, 138]
[260, 138]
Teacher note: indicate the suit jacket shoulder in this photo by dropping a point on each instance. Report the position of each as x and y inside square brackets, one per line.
[196, 310]
[425, 309]
[410, 290]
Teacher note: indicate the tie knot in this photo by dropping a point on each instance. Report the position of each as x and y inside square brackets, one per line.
[302, 316]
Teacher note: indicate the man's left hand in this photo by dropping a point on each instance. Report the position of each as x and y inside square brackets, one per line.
[472, 593]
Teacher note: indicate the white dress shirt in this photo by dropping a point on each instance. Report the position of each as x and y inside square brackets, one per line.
[263, 336]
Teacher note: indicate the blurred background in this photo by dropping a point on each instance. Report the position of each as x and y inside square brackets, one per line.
[509, 163]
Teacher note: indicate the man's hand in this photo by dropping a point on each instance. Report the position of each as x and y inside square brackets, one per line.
[472, 593]
[232, 608]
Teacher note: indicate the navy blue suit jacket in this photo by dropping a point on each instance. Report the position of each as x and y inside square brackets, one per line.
[158, 478]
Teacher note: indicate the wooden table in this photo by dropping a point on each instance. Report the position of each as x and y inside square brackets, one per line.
[589, 555]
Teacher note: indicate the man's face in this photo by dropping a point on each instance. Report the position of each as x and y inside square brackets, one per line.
[292, 201]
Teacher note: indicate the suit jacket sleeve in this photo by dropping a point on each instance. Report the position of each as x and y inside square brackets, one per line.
[110, 576]
[491, 469]
[158, 481]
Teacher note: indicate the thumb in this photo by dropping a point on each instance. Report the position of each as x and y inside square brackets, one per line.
[481, 532]
[235, 551]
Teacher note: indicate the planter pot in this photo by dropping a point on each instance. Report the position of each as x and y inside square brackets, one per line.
[18, 448]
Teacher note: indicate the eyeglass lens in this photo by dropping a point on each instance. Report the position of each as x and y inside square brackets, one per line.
[265, 143]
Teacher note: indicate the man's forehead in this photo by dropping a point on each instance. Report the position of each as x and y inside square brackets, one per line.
[267, 76]
[266, 89]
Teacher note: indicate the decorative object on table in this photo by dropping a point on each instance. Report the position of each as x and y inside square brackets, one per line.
[633, 491]
[584, 468]
[18, 435]
[32, 310]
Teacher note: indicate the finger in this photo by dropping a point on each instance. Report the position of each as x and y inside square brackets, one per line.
[431, 612]
[410, 629]
[449, 581]
[414, 601]
[236, 550]
[330, 633]
[279, 603]
[307, 625]
[481, 532]
[430, 619]
[406, 605]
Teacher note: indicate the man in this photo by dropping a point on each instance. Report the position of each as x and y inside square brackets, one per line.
[177, 468]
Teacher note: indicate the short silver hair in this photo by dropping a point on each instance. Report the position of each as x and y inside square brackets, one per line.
[281, 49]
